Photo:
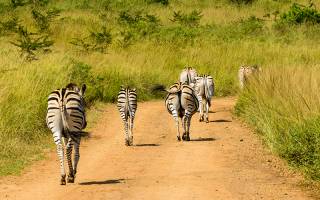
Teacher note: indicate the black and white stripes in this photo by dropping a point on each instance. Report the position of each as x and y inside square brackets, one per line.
[181, 102]
[127, 106]
[205, 90]
[66, 119]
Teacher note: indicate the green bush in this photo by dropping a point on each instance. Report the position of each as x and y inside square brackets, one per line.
[299, 14]
[187, 19]
[98, 40]
[138, 23]
[30, 43]
[9, 26]
[43, 19]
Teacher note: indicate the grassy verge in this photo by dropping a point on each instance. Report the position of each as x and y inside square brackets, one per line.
[283, 104]
[137, 43]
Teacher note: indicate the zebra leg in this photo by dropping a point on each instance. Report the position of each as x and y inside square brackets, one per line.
[177, 126]
[57, 139]
[185, 119]
[131, 133]
[207, 111]
[188, 128]
[76, 156]
[201, 109]
[69, 154]
[126, 127]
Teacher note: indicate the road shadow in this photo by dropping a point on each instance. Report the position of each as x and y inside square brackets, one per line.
[147, 145]
[221, 120]
[200, 139]
[105, 182]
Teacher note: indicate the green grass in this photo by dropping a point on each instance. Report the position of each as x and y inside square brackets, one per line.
[150, 49]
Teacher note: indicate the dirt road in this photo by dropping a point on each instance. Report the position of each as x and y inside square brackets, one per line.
[224, 160]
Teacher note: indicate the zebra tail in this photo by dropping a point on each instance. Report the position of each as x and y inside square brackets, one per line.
[206, 92]
[158, 87]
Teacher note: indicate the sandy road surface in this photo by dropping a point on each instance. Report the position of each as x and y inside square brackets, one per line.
[224, 161]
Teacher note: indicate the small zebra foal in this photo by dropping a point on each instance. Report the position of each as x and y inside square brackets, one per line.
[66, 118]
[127, 106]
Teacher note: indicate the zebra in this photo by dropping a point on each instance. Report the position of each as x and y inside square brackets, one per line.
[127, 106]
[245, 72]
[66, 118]
[188, 76]
[204, 90]
[181, 102]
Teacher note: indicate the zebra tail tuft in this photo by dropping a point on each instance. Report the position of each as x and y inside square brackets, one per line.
[158, 88]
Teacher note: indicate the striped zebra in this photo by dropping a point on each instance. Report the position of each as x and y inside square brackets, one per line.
[205, 91]
[182, 102]
[188, 76]
[66, 119]
[245, 72]
[127, 106]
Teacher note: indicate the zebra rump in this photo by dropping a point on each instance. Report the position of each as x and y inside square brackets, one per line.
[181, 102]
[188, 76]
[127, 106]
[66, 118]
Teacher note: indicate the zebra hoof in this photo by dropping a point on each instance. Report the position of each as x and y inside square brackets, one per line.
[187, 138]
[127, 143]
[63, 180]
[178, 138]
[184, 137]
[70, 179]
[207, 120]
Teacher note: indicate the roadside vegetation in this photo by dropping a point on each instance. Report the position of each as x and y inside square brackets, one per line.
[46, 44]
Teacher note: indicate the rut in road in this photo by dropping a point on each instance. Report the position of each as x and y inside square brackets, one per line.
[224, 160]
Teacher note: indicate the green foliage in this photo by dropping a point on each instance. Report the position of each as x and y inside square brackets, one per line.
[30, 43]
[299, 14]
[95, 41]
[239, 2]
[251, 25]
[9, 26]
[163, 2]
[138, 23]
[187, 19]
[81, 73]
[43, 19]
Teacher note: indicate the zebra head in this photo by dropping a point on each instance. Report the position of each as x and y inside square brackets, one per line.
[74, 87]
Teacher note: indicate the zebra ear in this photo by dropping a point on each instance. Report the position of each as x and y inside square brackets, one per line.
[134, 89]
[83, 89]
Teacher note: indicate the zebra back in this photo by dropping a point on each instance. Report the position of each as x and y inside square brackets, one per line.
[189, 100]
[188, 76]
[66, 107]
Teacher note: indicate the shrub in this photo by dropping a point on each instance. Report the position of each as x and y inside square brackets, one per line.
[299, 14]
[43, 19]
[163, 2]
[251, 25]
[187, 19]
[95, 41]
[239, 2]
[80, 73]
[9, 26]
[29, 43]
[139, 23]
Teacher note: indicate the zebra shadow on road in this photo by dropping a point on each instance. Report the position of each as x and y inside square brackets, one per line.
[220, 120]
[147, 145]
[201, 139]
[105, 182]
